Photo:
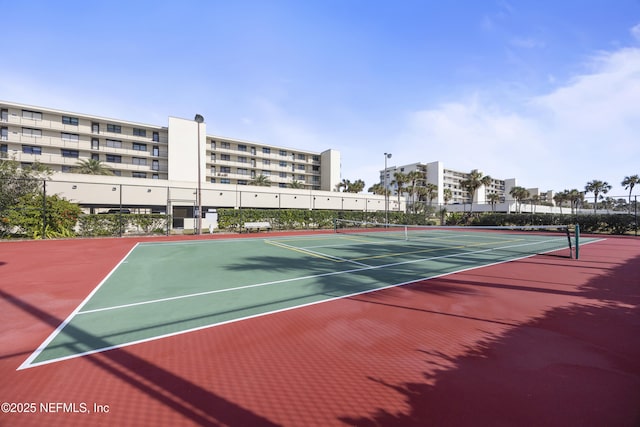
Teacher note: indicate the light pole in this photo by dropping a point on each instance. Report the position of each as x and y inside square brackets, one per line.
[199, 119]
[386, 190]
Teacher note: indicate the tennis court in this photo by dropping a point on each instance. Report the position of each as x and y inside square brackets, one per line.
[367, 326]
[167, 288]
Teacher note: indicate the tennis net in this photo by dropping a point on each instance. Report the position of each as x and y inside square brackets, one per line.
[534, 239]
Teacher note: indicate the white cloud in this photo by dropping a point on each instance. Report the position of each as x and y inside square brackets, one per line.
[587, 129]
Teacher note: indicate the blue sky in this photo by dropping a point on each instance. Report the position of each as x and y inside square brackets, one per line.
[544, 91]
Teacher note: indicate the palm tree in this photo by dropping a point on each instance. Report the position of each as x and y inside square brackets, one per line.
[378, 189]
[596, 187]
[296, 184]
[345, 184]
[355, 187]
[415, 178]
[92, 167]
[561, 198]
[629, 182]
[575, 197]
[432, 192]
[474, 181]
[261, 181]
[520, 194]
[351, 187]
[447, 195]
[399, 179]
[493, 198]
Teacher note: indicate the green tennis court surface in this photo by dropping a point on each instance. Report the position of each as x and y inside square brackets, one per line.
[167, 288]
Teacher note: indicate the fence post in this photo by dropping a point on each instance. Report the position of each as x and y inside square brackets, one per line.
[577, 240]
[44, 209]
[635, 209]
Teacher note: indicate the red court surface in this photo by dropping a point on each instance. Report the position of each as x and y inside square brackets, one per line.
[544, 341]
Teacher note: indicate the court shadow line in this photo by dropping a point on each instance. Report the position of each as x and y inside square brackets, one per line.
[183, 396]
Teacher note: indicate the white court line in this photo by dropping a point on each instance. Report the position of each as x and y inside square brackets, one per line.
[294, 279]
[29, 362]
[314, 253]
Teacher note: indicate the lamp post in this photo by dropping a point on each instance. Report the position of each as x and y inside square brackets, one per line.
[386, 190]
[199, 119]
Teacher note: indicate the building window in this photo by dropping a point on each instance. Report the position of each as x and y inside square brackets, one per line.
[243, 171]
[70, 136]
[266, 162]
[34, 115]
[225, 169]
[213, 180]
[70, 153]
[156, 151]
[242, 148]
[155, 165]
[66, 120]
[139, 174]
[282, 174]
[316, 158]
[283, 153]
[114, 128]
[95, 127]
[300, 167]
[114, 143]
[117, 173]
[282, 185]
[139, 132]
[226, 145]
[4, 134]
[226, 157]
[139, 147]
[302, 157]
[29, 149]
[225, 181]
[283, 164]
[242, 160]
[266, 150]
[35, 133]
[66, 168]
[4, 115]
[266, 173]
[95, 144]
[155, 176]
[111, 158]
[301, 178]
[95, 156]
[138, 161]
[242, 182]
[4, 148]
[316, 168]
[156, 137]
[213, 145]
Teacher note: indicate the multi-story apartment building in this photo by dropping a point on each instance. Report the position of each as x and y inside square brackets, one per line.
[60, 140]
[177, 169]
[450, 179]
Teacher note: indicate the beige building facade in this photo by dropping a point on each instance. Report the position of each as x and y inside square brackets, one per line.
[160, 168]
[60, 140]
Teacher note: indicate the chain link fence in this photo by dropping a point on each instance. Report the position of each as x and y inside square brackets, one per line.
[40, 208]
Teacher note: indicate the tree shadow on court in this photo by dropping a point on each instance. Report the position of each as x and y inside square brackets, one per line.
[576, 365]
[190, 400]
